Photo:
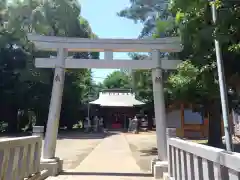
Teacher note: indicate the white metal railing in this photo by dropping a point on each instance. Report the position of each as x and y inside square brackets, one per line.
[20, 157]
[192, 161]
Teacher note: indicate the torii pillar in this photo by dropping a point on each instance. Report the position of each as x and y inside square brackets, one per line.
[48, 160]
[159, 106]
[55, 106]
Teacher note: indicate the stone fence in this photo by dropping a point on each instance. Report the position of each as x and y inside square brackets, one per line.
[192, 161]
[20, 158]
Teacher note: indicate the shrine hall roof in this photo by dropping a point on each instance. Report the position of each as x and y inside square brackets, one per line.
[117, 99]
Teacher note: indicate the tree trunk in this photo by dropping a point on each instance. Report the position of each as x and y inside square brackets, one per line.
[150, 122]
[40, 119]
[11, 118]
[215, 118]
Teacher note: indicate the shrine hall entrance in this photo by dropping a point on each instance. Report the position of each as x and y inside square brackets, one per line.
[117, 117]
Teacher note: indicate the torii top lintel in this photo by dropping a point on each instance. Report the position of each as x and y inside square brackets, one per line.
[169, 44]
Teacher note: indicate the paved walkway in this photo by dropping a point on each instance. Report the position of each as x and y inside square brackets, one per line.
[73, 148]
[111, 159]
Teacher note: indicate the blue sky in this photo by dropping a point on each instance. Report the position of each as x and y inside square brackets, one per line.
[103, 19]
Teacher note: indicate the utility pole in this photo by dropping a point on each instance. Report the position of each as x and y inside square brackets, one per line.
[222, 84]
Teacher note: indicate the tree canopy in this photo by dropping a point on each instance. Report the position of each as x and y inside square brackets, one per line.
[117, 80]
[196, 80]
[25, 89]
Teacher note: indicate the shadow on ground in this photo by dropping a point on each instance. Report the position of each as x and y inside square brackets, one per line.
[142, 160]
[107, 174]
[82, 135]
[149, 152]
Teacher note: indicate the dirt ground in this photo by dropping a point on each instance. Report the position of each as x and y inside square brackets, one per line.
[73, 148]
[143, 147]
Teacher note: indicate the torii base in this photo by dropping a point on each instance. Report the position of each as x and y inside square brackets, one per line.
[166, 177]
[158, 168]
[54, 166]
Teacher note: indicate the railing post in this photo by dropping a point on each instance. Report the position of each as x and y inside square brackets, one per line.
[38, 131]
[170, 133]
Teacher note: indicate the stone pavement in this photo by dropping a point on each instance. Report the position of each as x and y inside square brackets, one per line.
[111, 159]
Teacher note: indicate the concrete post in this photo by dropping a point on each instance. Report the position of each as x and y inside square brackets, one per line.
[55, 107]
[171, 133]
[38, 131]
[159, 107]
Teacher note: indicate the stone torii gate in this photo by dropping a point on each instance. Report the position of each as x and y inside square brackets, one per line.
[63, 45]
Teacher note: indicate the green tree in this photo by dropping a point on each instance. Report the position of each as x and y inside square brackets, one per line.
[30, 88]
[12, 59]
[197, 32]
[196, 79]
[143, 86]
[146, 12]
[117, 80]
[197, 85]
[142, 81]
